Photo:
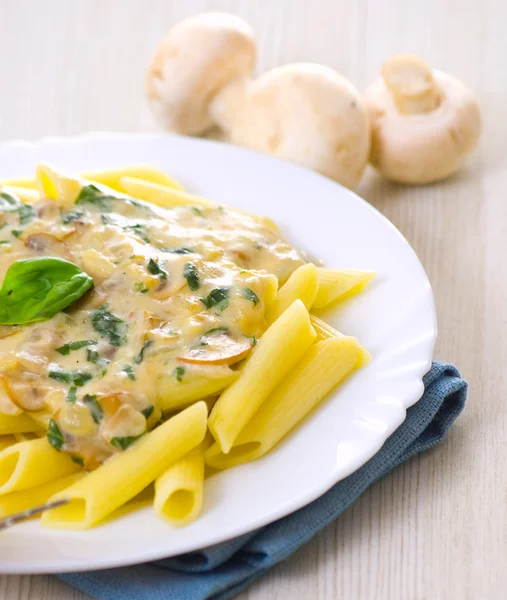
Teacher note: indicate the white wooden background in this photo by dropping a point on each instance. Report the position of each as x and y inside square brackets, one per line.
[436, 528]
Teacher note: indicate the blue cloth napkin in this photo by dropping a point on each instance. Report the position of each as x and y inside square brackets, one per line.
[221, 571]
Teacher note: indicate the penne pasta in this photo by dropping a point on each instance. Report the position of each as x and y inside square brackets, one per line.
[161, 195]
[31, 463]
[30, 498]
[176, 394]
[126, 474]
[278, 351]
[179, 491]
[324, 365]
[339, 284]
[6, 441]
[110, 177]
[302, 284]
[325, 332]
[17, 424]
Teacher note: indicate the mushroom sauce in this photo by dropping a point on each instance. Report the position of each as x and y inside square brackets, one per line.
[179, 294]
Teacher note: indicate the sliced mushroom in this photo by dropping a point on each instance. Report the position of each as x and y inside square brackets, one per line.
[7, 406]
[217, 348]
[29, 396]
[46, 244]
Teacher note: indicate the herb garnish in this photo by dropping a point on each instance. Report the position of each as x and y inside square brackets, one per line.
[191, 275]
[218, 298]
[109, 326]
[74, 378]
[54, 435]
[94, 406]
[66, 349]
[251, 295]
[154, 268]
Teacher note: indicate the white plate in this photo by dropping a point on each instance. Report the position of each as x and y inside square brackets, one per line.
[394, 318]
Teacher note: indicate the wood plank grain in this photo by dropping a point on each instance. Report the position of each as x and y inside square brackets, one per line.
[435, 528]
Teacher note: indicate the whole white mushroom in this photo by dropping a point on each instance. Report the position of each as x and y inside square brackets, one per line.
[424, 123]
[201, 76]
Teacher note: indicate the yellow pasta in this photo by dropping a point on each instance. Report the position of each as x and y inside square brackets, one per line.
[110, 177]
[6, 441]
[160, 195]
[339, 284]
[30, 498]
[176, 394]
[34, 462]
[324, 365]
[17, 424]
[126, 474]
[325, 332]
[302, 284]
[277, 352]
[179, 491]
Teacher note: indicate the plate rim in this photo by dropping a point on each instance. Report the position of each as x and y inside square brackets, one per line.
[302, 499]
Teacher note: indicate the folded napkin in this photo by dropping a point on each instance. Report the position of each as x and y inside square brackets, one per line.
[223, 570]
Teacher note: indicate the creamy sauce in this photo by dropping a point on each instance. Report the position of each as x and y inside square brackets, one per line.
[179, 292]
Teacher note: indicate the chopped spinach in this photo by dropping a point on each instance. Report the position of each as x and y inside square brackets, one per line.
[177, 250]
[251, 295]
[109, 326]
[122, 443]
[26, 214]
[54, 435]
[72, 215]
[67, 348]
[154, 268]
[94, 407]
[129, 371]
[139, 358]
[178, 373]
[90, 194]
[218, 298]
[217, 330]
[191, 275]
[79, 460]
[140, 287]
[9, 203]
[197, 210]
[16, 232]
[72, 395]
[74, 378]
[140, 230]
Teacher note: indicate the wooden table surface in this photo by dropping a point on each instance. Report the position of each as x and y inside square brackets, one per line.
[436, 528]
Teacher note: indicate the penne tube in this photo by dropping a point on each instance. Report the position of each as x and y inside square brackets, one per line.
[26, 499]
[339, 284]
[6, 441]
[17, 424]
[179, 491]
[109, 177]
[324, 365]
[31, 463]
[161, 195]
[302, 284]
[174, 394]
[325, 332]
[126, 474]
[278, 351]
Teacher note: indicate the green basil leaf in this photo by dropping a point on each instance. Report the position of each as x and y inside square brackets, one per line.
[129, 371]
[35, 289]
[191, 275]
[9, 203]
[109, 326]
[122, 443]
[66, 349]
[90, 194]
[251, 295]
[139, 358]
[79, 460]
[178, 373]
[54, 435]
[154, 268]
[75, 378]
[94, 407]
[26, 214]
[218, 298]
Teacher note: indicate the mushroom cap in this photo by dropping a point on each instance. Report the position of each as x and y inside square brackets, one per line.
[428, 146]
[196, 58]
[310, 115]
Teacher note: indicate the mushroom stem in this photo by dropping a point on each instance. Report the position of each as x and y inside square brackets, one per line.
[227, 104]
[410, 81]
